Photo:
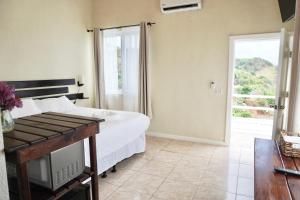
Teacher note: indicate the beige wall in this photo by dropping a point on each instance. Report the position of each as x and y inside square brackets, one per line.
[189, 50]
[46, 40]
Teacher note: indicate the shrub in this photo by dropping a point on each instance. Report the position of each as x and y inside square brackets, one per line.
[241, 113]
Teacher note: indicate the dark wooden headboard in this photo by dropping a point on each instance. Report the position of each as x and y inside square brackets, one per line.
[41, 89]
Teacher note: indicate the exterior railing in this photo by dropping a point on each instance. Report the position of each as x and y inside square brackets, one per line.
[253, 97]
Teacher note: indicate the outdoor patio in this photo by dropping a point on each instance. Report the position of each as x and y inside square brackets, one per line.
[244, 130]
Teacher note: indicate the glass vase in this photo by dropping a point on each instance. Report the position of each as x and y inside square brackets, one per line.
[7, 121]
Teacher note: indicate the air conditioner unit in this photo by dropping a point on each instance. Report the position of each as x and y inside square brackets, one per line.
[171, 6]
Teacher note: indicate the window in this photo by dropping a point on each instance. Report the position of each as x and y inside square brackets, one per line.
[121, 54]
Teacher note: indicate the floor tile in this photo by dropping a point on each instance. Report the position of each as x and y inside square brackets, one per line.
[201, 150]
[134, 163]
[223, 182]
[167, 156]
[246, 171]
[245, 187]
[247, 157]
[224, 168]
[176, 190]
[242, 141]
[178, 146]
[227, 149]
[204, 193]
[240, 197]
[142, 183]
[226, 155]
[154, 198]
[120, 195]
[188, 174]
[149, 153]
[157, 168]
[194, 161]
[119, 177]
[106, 189]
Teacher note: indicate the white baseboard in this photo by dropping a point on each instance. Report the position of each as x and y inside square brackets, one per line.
[186, 138]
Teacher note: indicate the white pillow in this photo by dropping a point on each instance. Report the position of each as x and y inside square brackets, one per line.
[61, 104]
[28, 108]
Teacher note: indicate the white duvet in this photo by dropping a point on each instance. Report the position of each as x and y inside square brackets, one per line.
[119, 128]
[121, 135]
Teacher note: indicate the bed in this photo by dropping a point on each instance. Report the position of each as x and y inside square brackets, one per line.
[121, 135]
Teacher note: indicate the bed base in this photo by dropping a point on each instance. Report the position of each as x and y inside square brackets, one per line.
[114, 170]
[104, 175]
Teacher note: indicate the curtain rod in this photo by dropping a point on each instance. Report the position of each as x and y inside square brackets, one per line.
[117, 27]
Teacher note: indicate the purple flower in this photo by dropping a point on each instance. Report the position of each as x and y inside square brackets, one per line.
[8, 99]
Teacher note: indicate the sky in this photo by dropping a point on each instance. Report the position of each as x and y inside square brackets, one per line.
[267, 49]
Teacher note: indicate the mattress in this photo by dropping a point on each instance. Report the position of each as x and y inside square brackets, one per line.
[121, 135]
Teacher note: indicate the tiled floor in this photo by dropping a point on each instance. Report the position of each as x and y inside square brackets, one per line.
[178, 170]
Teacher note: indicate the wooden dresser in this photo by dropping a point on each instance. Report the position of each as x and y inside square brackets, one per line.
[270, 185]
[38, 135]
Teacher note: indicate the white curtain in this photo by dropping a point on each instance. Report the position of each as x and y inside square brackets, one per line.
[121, 68]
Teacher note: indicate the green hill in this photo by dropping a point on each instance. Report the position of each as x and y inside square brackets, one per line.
[255, 76]
[253, 65]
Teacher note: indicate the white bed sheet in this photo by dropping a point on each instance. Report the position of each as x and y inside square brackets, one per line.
[121, 135]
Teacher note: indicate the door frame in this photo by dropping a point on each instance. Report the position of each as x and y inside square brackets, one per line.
[232, 39]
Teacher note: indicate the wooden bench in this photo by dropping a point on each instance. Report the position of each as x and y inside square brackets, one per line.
[270, 185]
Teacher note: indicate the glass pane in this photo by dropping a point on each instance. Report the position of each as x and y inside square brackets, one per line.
[121, 58]
[112, 64]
